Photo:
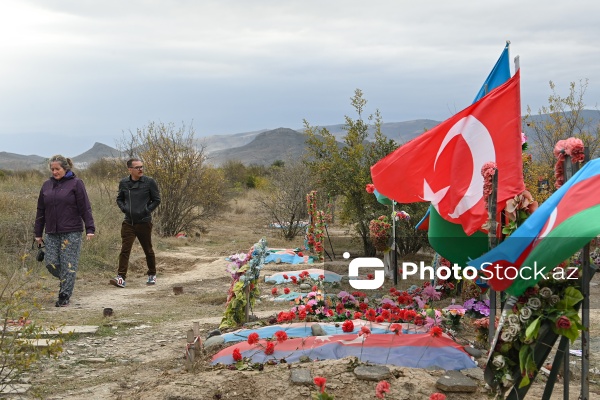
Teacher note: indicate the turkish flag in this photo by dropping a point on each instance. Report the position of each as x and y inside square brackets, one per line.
[443, 165]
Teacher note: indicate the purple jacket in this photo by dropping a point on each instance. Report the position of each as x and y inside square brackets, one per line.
[63, 206]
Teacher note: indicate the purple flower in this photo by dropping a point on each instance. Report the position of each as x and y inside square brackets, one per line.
[482, 308]
[468, 305]
[431, 293]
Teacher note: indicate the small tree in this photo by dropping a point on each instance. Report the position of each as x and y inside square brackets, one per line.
[191, 191]
[344, 169]
[283, 201]
[560, 119]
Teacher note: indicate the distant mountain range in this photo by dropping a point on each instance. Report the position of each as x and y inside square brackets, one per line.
[259, 147]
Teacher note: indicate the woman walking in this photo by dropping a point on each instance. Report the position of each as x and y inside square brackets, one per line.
[62, 210]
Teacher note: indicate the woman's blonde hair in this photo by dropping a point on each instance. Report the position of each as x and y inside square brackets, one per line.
[65, 162]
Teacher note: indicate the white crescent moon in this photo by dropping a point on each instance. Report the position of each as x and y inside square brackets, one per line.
[551, 221]
[481, 145]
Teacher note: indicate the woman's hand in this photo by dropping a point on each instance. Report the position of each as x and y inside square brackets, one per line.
[89, 236]
[39, 240]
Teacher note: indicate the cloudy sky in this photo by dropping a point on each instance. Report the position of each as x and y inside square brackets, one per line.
[75, 72]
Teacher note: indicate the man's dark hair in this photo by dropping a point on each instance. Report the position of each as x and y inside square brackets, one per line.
[131, 161]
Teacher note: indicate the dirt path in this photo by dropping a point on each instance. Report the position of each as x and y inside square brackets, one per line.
[139, 352]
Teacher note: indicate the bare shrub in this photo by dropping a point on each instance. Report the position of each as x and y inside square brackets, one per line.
[192, 192]
[283, 201]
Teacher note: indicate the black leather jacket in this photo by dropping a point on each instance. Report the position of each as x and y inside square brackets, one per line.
[137, 199]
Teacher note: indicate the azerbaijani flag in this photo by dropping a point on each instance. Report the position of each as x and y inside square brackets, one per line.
[563, 224]
[415, 351]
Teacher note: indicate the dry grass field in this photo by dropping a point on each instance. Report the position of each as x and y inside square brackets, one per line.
[138, 352]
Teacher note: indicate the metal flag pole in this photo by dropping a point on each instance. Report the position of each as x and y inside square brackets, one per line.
[394, 256]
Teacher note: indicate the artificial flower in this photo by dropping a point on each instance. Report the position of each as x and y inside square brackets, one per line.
[436, 331]
[381, 389]
[563, 323]
[320, 382]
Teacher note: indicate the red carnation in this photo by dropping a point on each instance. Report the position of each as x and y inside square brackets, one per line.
[320, 382]
[437, 396]
[381, 389]
[274, 291]
[348, 326]
[237, 356]
[281, 336]
[286, 290]
[253, 338]
[436, 331]
[370, 188]
[270, 349]
[396, 328]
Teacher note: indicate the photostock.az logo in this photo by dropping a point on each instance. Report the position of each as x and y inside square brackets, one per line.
[366, 262]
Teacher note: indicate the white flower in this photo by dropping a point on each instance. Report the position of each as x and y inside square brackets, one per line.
[526, 313]
[498, 361]
[506, 336]
[545, 292]
[507, 380]
[534, 303]
[554, 299]
[513, 319]
[513, 330]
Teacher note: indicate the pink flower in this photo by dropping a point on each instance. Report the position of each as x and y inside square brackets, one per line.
[563, 323]
[364, 331]
[382, 388]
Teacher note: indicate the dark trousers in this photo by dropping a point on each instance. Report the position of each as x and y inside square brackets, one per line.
[143, 232]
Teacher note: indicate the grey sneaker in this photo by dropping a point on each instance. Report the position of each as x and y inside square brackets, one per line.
[118, 281]
[151, 280]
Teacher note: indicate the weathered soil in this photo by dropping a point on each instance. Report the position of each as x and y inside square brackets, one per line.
[138, 353]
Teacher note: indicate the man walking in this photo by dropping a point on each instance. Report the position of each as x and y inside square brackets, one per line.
[138, 196]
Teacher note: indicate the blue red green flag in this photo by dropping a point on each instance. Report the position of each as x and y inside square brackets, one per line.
[562, 225]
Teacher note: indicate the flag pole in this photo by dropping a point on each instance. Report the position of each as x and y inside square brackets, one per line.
[394, 256]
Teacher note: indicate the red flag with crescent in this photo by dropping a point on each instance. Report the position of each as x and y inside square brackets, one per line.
[444, 165]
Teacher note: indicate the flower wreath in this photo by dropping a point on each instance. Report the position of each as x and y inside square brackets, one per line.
[245, 270]
[572, 147]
